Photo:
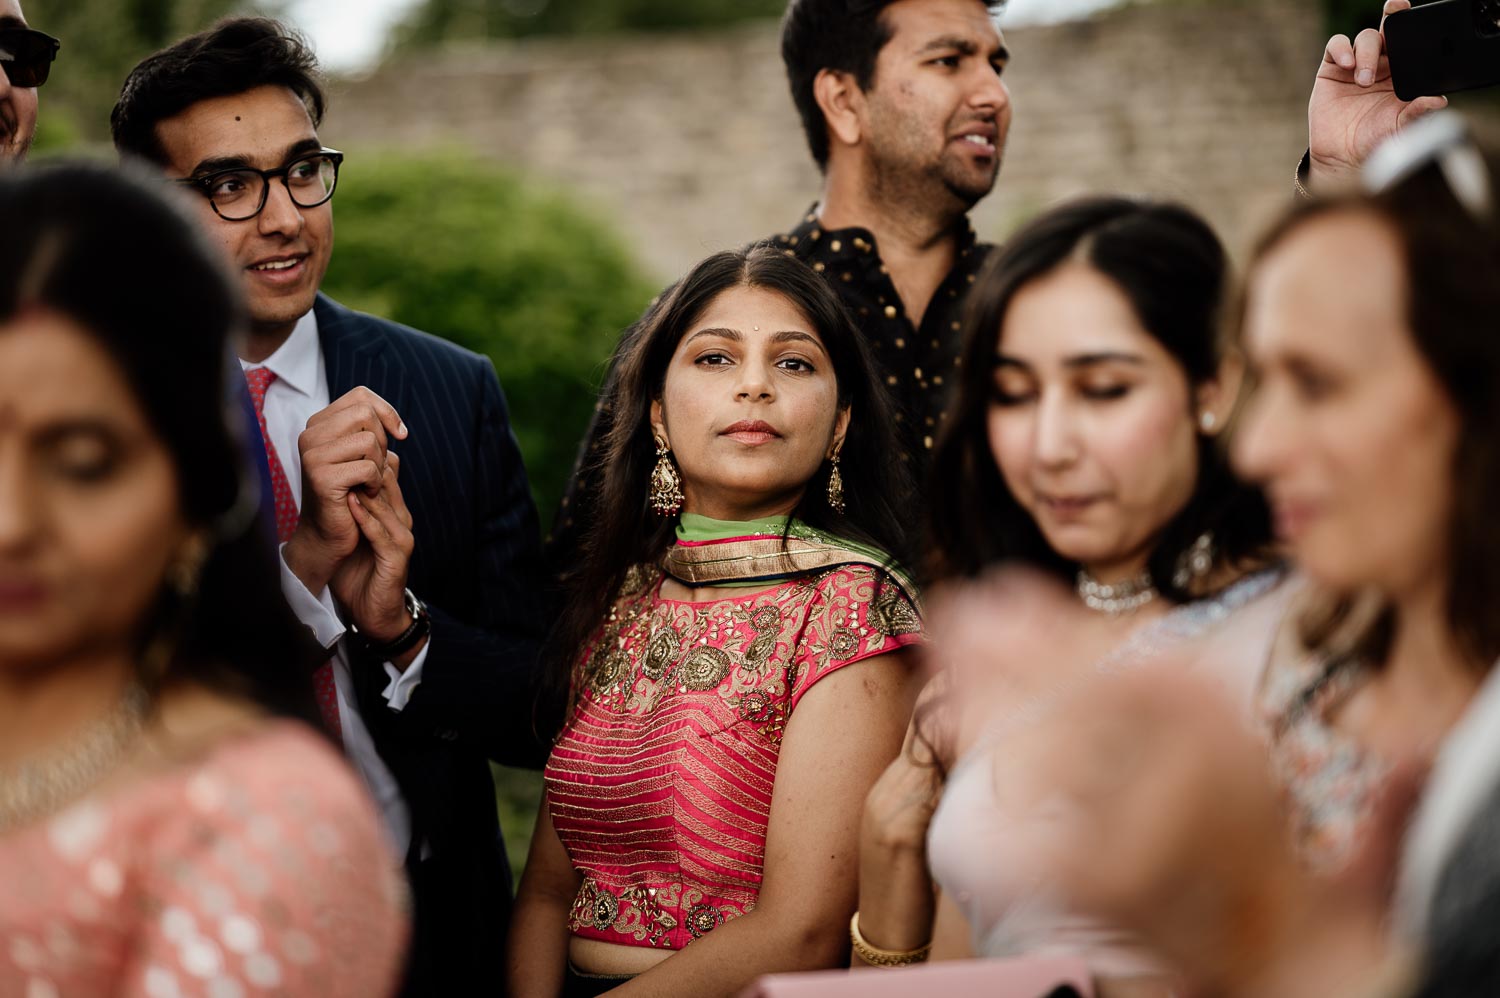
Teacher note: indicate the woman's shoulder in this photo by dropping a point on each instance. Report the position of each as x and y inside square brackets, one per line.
[270, 770]
[268, 818]
[281, 754]
[864, 582]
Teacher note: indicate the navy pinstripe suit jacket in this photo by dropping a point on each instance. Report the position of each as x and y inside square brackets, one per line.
[477, 564]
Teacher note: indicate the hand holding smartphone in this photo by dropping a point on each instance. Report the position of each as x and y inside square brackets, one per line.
[1444, 47]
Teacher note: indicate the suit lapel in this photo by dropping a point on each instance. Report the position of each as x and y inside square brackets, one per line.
[355, 353]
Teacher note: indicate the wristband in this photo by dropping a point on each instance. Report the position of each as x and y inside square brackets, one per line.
[877, 957]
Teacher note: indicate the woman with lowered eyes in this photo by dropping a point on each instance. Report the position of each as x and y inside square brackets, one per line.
[733, 651]
[167, 823]
[1369, 322]
[1082, 447]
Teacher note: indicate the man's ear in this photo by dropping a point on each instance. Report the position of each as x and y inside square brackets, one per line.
[659, 424]
[843, 105]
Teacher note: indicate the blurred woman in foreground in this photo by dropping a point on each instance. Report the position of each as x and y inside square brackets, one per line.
[1369, 321]
[166, 825]
[1083, 445]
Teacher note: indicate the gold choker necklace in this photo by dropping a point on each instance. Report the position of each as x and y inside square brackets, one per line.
[43, 785]
[1118, 598]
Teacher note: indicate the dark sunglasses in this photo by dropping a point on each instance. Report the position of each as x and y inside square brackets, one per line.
[27, 55]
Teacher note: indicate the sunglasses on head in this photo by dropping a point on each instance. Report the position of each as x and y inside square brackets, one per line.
[27, 55]
[1439, 139]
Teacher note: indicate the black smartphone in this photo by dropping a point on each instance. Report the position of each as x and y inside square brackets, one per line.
[1439, 48]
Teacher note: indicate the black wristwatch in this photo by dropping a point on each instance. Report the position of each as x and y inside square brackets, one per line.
[421, 626]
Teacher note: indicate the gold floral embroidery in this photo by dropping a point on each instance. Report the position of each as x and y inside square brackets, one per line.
[661, 653]
[643, 917]
[766, 621]
[705, 668]
[843, 643]
[634, 912]
[609, 669]
[606, 909]
[756, 708]
[767, 618]
[703, 919]
[891, 615]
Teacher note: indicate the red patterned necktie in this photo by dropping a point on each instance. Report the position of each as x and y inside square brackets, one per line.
[259, 379]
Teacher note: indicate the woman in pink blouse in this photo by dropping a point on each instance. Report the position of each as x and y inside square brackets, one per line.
[702, 801]
[167, 826]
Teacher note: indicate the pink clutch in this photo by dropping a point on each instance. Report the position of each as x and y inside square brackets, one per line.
[1017, 978]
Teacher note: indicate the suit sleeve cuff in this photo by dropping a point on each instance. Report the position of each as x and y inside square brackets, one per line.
[317, 613]
[403, 684]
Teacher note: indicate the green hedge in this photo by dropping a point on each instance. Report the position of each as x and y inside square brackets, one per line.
[467, 251]
[472, 253]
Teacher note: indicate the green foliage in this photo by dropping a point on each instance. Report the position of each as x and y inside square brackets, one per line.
[444, 20]
[102, 40]
[518, 794]
[466, 251]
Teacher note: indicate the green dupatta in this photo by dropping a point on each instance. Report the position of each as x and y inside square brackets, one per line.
[741, 554]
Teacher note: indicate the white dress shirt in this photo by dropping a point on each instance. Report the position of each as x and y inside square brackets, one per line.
[300, 391]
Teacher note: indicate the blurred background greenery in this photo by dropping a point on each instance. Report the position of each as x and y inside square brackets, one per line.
[445, 20]
[463, 249]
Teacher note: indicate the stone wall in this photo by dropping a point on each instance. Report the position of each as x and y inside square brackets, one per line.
[691, 142]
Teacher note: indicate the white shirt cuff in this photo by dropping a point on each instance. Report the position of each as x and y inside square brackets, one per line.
[399, 690]
[317, 613]
[320, 616]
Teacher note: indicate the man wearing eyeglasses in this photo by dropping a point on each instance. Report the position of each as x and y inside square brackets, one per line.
[417, 573]
[26, 56]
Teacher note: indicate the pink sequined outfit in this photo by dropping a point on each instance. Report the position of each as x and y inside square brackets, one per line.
[660, 787]
[258, 868]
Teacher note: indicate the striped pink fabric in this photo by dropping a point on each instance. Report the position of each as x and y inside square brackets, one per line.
[660, 787]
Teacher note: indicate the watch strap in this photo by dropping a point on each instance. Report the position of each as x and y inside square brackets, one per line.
[420, 627]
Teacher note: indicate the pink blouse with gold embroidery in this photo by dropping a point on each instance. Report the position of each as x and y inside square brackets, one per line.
[660, 786]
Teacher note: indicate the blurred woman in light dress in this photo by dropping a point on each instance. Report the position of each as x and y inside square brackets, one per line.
[168, 823]
[1369, 322]
[1083, 445]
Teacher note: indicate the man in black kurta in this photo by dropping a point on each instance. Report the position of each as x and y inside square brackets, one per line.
[905, 113]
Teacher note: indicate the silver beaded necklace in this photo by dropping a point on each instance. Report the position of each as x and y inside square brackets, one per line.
[1118, 598]
[40, 786]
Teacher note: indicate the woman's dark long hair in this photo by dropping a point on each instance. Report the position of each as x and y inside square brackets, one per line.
[625, 530]
[1171, 266]
[1451, 256]
[111, 252]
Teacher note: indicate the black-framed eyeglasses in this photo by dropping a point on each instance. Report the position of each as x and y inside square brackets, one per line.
[240, 194]
[27, 55]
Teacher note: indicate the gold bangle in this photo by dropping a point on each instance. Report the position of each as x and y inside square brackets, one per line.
[877, 957]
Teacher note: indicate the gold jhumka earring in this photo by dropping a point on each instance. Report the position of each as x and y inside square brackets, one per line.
[666, 484]
[835, 486]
